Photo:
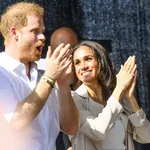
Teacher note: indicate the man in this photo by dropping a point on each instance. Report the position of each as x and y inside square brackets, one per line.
[63, 35]
[33, 110]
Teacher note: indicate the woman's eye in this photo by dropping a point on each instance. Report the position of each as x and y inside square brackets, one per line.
[76, 63]
[88, 58]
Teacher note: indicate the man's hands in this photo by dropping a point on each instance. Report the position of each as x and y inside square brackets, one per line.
[58, 61]
[59, 67]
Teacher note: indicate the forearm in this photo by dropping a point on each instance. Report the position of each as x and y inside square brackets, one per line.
[133, 104]
[96, 128]
[69, 115]
[30, 107]
[118, 93]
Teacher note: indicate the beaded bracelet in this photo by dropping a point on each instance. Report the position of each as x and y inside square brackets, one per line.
[49, 80]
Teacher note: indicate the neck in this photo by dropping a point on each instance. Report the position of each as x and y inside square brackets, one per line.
[28, 69]
[95, 92]
[9, 49]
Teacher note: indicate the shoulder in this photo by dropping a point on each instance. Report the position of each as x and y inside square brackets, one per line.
[4, 76]
[80, 101]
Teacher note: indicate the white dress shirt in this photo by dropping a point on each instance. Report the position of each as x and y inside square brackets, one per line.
[15, 87]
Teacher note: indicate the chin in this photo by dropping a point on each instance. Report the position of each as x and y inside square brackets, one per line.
[86, 80]
[35, 59]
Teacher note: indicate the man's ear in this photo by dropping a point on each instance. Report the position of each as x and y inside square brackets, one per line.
[14, 32]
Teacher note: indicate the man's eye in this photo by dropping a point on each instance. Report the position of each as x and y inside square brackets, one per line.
[35, 31]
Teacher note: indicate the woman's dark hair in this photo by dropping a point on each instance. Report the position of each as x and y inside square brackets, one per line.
[107, 74]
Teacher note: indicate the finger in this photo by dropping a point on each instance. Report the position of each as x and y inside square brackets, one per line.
[133, 71]
[129, 65]
[127, 61]
[133, 83]
[135, 76]
[66, 64]
[69, 68]
[132, 65]
[49, 52]
[66, 59]
[64, 52]
[58, 50]
[120, 70]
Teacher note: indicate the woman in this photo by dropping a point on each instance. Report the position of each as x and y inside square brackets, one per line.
[107, 121]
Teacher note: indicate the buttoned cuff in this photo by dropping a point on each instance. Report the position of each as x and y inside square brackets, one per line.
[138, 118]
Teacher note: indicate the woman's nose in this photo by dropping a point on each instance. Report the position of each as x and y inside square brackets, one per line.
[83, 65]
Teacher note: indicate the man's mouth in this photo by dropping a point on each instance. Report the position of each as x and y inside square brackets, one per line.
[40, 48]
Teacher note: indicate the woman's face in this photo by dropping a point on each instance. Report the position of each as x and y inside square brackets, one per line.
[86, 64]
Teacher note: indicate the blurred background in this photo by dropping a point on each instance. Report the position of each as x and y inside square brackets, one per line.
[121, 26]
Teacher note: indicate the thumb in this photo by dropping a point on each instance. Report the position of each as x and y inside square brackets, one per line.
[120, 70]
[49, 52]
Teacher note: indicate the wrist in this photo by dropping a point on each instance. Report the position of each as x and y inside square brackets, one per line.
[131, 97]
[51, 75]
[62, 86]
[118, 93]
[48, 79]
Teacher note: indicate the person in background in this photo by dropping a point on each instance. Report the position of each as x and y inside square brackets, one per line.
[110, 117]
[67, 36]
[33, 108]
[63, 35]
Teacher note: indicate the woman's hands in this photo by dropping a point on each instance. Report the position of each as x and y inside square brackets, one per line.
[129, 95]
[125, 77]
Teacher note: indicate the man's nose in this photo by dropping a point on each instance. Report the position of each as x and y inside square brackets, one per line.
[42, 37]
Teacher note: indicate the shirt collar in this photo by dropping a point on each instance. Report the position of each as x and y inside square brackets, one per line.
[12, 64]
[82, 91]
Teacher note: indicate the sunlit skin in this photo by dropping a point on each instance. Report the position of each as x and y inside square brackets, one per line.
[86, 65]
[87, 68]
[31, 39]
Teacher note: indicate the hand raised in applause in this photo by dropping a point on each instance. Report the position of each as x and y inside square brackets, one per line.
[125, 77]
[57, 61]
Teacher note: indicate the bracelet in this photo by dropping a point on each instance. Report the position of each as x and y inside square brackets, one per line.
[49, 80]
[49, 77]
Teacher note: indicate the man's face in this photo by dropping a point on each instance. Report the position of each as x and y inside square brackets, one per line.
[31, 39]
